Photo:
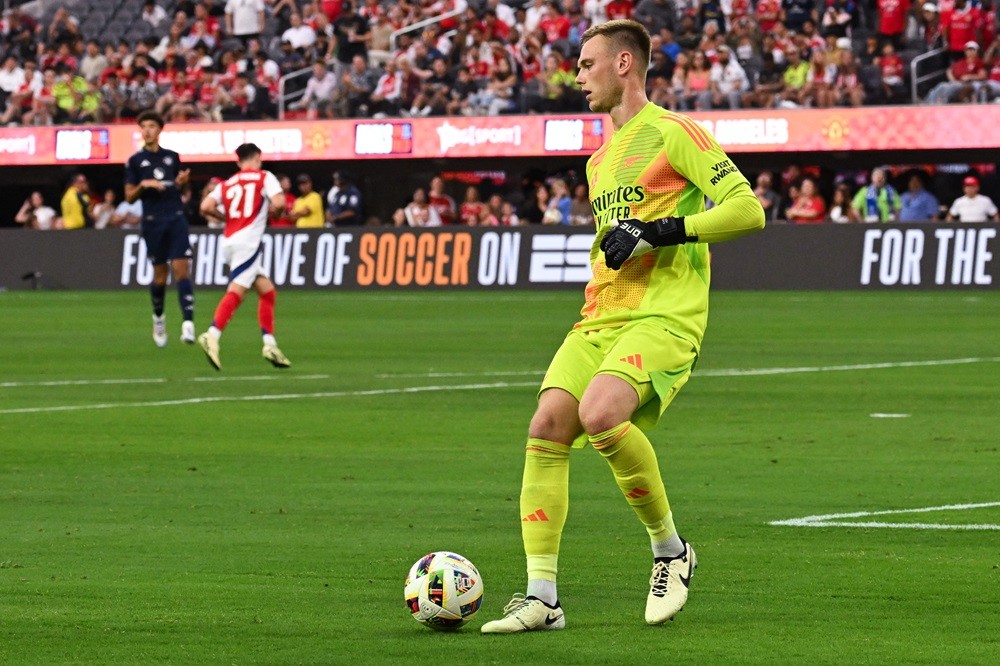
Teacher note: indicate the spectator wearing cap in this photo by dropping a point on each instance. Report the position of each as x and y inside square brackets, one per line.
[916, 203]
[964, 78]
[727, 82]
[308, 208]
[244, 19]
[929, 26]
[347, 208]
[972, 206]
[959, 27]
[879, 201]
[352, 32]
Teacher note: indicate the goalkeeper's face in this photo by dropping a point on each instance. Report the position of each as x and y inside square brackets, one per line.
[598, 76]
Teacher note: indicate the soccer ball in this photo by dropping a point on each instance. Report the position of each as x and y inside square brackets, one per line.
[443, 590]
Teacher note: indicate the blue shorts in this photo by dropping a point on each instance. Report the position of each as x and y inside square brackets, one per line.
[166, 241]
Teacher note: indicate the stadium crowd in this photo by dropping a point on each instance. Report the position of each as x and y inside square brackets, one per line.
[220, 60]
[903, 193]
[223, 59]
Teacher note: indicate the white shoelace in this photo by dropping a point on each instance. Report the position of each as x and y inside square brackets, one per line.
[658, 581]
[516, 604]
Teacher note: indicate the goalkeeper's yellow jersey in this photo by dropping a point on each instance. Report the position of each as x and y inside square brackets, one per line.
[663, 164]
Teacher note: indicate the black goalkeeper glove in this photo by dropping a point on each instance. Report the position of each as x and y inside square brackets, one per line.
[630, 238]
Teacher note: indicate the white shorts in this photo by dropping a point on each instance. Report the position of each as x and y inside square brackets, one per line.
[243, 256]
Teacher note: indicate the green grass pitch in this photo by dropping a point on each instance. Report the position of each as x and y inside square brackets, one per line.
[153, 510]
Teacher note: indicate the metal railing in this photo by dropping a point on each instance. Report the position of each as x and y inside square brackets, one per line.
[916, 79]
[420, 25]
[380, 56]
[283, 98]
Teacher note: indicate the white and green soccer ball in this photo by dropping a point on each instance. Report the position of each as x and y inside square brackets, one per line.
[443, 590]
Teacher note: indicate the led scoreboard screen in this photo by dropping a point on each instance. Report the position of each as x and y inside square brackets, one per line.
[383, 139]
[83, 144]
[574, 135]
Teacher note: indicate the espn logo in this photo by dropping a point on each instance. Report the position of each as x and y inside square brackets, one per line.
[558, 258]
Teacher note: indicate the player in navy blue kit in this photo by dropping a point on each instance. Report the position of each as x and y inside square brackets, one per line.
[154, 175]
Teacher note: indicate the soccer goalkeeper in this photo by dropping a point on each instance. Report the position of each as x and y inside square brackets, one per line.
[644, 317]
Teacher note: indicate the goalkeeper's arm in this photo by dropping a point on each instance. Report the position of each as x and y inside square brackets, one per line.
[740, 214]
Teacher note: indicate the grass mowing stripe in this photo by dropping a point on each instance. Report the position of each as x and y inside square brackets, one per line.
[730, 372]
[255, 398]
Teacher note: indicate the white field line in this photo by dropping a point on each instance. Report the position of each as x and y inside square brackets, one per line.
[159, 380]
[731, 372]
[83, 382]
[836, 519]
[704, 373]
[255, 398]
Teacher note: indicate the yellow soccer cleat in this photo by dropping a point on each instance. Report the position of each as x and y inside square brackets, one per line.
[210, 345]
[274, 356]
[526, 614]
[668, 586]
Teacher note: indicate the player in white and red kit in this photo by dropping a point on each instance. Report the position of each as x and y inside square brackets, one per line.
[244, 203]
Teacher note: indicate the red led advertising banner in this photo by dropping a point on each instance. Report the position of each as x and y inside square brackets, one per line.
[755, 131]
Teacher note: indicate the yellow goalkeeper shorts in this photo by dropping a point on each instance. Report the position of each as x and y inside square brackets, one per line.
[653, 360]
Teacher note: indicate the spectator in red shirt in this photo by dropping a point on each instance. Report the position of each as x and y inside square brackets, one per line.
[987, 22]
[178, 102]
[619, 9]
[959, 25]
[209, 98]
[964, 78]
[891, 69]
[768, 14]
[387, 96]
[441, 202]
[892, 20]
[471, 207]
[284, 217]
[164, 77]
[809, 207]
[847, 87]
[212, 27]
[991, 88]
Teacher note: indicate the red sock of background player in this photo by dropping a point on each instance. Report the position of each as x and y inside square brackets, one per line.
[224, 312]
[265, 316]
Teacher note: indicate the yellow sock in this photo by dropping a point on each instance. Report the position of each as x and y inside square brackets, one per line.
[637, 473]
[544, 504]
